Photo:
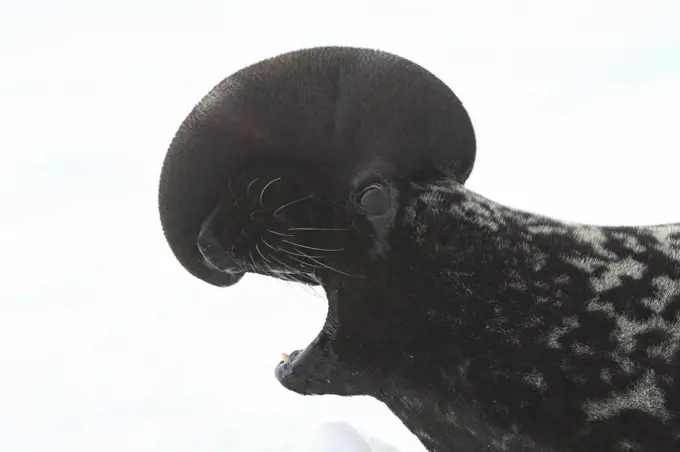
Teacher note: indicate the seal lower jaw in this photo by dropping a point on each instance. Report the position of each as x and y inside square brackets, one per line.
[314, 370]
[295, 372]
[285, 368]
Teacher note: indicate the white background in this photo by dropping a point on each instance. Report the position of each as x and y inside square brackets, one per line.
[107, 344]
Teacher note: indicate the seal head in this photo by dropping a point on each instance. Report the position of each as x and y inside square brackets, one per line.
[269, 146]
[482, 327]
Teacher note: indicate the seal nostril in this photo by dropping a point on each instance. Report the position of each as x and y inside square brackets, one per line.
[207, 244]
[213, 253]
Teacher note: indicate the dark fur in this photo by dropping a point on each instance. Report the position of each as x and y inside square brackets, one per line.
[517, 332]
[481, 327]
[343, 113]
[485, 328]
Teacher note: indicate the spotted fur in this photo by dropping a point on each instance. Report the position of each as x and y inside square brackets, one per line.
[544, 335]
[483, 328]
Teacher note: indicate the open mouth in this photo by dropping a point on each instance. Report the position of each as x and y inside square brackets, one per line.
[287, 361]
[291, 369]
[307, 371]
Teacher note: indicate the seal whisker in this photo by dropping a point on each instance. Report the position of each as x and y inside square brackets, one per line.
[306, 264]
[270, 246]
[294, 276]
[294, 271]
[291, 203]
[305, 287]
[328, 266]
[312, 289]
[255, 266]
[280, 233]
[311, 247]
[319, 229]
[263, 190]
[250, 253]
[252, 217]
[297, 254]
[283, 250]
[250, 185]
[257, 247]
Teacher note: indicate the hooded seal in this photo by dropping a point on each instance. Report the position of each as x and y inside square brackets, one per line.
[482, 327]
[488, 328]
[317, 122]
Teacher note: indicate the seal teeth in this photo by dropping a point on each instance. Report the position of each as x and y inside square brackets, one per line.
[285, 356]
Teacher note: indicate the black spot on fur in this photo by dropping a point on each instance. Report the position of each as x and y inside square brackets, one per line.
[672, 311]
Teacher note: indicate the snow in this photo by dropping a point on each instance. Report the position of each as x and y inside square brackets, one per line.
[107, 344]
[342, 437]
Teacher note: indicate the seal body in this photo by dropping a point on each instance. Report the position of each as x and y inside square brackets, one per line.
[483, 328]
[516, 332]
[486, 328]
[338, 114]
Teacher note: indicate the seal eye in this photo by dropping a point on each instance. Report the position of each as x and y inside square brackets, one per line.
[374, 200]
